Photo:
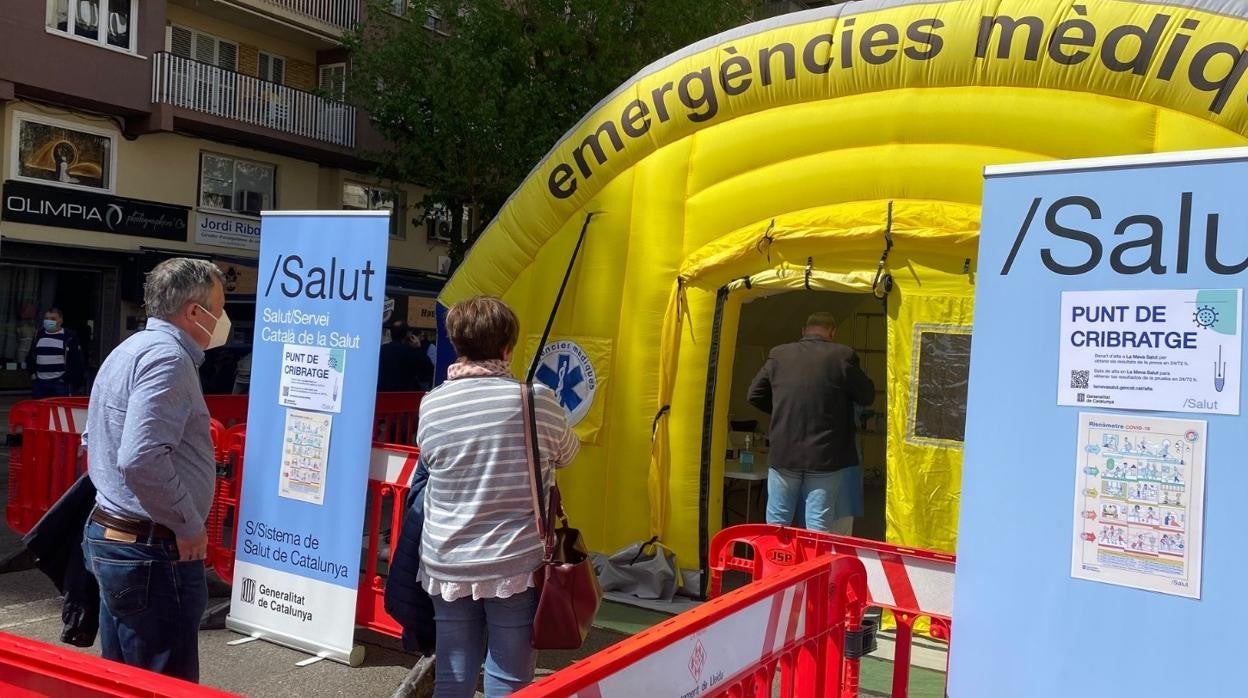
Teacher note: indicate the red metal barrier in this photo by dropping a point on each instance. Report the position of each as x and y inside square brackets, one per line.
[395, 418]
[910, 582]
[790, 628]
[30, 669]
[222, 525]
[390, 471]
[44, 458]
[45, 461]
[230, 410]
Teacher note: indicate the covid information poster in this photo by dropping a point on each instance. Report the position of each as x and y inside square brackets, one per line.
[1139, 500]
[309, 429]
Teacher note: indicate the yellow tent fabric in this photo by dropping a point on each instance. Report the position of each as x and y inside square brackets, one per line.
[780, 145]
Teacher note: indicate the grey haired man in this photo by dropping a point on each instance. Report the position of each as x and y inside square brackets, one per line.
[150, 457]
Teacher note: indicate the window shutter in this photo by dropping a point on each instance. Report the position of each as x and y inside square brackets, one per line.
[227, 55]
[279, 71]
[180, 41]
[264, 66]
[205, 49]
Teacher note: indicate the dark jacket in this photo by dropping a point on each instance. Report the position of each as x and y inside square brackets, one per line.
[809, 388]
[56, 544]
[402, 367]
[406, 600]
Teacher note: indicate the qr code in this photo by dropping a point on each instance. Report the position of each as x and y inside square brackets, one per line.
[1079, 379]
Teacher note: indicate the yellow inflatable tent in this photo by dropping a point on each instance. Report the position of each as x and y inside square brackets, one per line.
[835, 150]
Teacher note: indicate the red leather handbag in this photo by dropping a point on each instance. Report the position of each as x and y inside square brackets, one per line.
[568, 590]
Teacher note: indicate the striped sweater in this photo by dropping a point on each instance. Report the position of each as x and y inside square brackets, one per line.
[479, 518]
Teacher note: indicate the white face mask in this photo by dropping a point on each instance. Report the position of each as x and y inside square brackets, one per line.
[220, 333]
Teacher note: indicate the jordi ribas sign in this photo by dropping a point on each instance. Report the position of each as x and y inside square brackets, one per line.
[1167, 350]
[227, 231]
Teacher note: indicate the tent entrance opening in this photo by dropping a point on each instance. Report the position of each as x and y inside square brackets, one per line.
[772, 320]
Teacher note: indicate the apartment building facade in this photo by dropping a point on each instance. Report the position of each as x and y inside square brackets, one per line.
[136, 130]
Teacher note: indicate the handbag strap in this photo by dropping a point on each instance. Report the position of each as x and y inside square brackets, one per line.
[531, 449]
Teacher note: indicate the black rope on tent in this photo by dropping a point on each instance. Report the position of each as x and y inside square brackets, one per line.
[766, 240]
[654, 426]
[881, 278]
[748, 284]
[550, 321]
[810, 262]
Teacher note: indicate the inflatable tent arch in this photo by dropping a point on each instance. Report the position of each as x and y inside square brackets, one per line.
[769, 158]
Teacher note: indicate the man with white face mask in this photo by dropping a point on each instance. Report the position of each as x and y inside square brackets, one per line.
[150, 456]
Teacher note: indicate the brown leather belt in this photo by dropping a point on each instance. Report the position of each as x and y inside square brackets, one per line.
[142, 530]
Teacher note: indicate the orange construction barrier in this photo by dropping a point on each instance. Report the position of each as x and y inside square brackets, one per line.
[31, 669]
[912, 583]
[797, 632]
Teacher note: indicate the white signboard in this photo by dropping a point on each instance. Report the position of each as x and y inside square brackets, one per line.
[305, 456]
[1166, 350]
[1139, 501]
[312, 378]
[227, 231]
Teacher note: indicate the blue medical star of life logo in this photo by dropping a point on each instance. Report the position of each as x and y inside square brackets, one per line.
[566, 369]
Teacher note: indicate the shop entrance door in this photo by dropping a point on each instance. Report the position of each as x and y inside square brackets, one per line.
[27, 291]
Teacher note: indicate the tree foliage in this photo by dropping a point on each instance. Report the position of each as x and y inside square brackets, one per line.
[471, 105]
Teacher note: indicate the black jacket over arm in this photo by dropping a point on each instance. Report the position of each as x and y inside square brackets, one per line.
[809, 388]
[56, 544]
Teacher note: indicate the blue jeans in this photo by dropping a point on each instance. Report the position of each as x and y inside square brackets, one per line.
[463, 626]
[56, 387]
[826, 498]
[150, 603]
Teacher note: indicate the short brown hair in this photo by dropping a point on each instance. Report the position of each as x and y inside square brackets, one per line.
[826, 320]
[482, 328]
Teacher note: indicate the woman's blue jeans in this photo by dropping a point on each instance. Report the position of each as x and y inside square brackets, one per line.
[498, 630]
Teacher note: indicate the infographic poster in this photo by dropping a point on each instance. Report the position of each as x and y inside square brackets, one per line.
[1139, 494]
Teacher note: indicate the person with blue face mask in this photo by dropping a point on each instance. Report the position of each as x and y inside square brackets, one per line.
[55, 361]
[151, 457]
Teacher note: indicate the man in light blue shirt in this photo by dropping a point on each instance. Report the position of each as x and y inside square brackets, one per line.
[150, 456]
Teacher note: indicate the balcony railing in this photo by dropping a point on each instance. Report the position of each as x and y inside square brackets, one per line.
[339, 13]
[205, 88]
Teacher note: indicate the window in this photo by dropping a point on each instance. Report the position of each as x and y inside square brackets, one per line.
[333, 80]
[64, 154]
[938, 387]
[360, 197]
[398, 8]
[205, 48]
[272, 68]
[434, 22]
[240, 186]
[103, 22]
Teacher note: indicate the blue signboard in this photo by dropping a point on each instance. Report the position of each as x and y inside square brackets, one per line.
[309, 429]
[1100, 547]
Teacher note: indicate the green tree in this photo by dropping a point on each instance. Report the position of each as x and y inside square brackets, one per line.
[472, 93]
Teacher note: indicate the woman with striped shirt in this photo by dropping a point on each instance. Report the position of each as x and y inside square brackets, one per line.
[479, 546]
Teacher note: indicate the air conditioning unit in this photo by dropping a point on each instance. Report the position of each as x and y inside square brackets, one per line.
[438, 223]
[249, 202]
[438, 229]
